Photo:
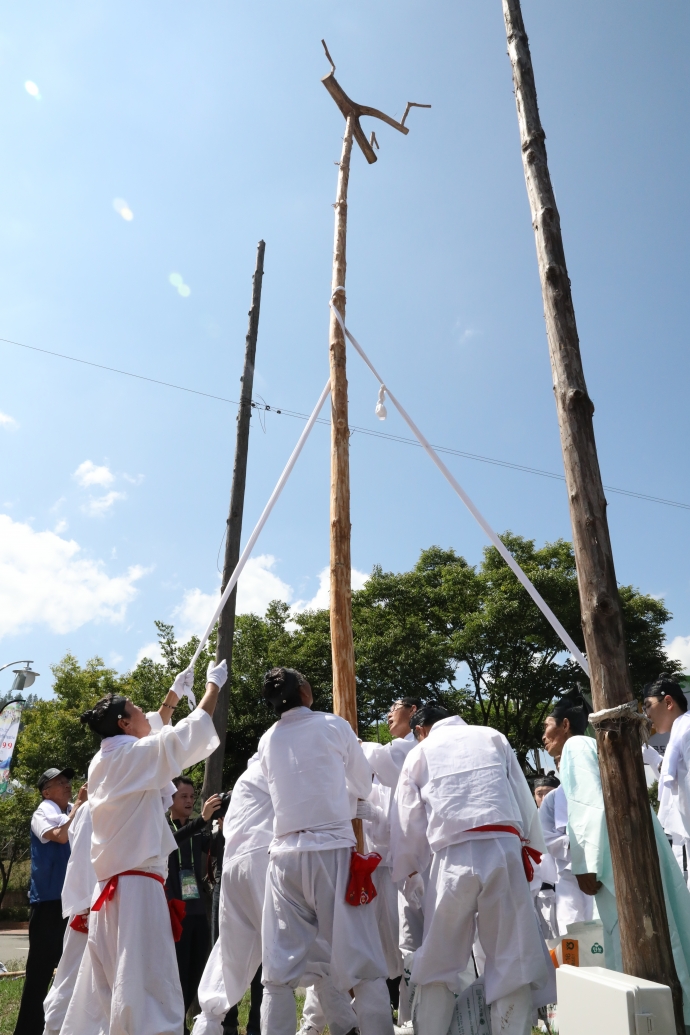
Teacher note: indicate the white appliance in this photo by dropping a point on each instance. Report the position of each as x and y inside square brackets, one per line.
[595, 1001]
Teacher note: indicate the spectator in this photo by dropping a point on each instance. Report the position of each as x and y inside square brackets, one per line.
[185, 881]
[49, 855]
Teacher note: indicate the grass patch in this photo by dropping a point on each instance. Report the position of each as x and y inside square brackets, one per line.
[10, 997]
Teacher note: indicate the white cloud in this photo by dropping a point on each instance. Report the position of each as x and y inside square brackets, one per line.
[149, 650]
[6, 421]
[679, 648]
[61, 526]
[322, 597]
[44, 581]
[89, 473]
[258, 586]
[98, 505]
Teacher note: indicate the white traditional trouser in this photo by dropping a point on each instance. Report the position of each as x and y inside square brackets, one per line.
[85, 1014]
[386, 908]
[572, 905]
[342, 1016]
[482, 882]
[236, 955]
[309, 931]
[133, 966]
[56, 1002]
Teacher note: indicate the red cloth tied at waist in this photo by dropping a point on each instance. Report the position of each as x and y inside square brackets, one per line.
[176, 906]
[360, 888]
[527, 853]
[80, 923]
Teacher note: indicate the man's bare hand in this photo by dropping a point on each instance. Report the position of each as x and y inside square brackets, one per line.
[588, 883]
[211, 805]
[82, 796]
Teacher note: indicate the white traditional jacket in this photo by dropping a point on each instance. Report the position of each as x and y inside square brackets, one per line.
[459, 778]
[316, 771]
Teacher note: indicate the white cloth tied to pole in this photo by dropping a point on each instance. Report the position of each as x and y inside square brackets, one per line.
[476, 514]
[273, 499]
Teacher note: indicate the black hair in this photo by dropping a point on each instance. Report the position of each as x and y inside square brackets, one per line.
[546, 780]
[411, 702]
[574, 708]
[182, 779]
[667, 686]
[282, 689]
[104, 716]
[428, 714]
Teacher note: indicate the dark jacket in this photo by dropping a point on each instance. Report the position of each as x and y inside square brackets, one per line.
[193, 839]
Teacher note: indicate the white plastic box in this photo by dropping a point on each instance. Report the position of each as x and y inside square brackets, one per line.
[595, 1001]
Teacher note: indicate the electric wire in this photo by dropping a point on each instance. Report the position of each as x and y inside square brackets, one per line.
[353, 427]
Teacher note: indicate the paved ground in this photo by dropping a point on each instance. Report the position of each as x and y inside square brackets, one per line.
[14, 945]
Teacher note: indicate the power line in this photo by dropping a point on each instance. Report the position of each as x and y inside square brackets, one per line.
[354, 428]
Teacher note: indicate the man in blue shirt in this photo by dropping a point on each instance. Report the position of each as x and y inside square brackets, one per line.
[49, 854]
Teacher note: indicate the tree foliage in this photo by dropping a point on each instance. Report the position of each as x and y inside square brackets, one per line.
[16, 810]
[469, 637]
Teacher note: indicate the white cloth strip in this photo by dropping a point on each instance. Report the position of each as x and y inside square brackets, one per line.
[476, 514]
[280, 485]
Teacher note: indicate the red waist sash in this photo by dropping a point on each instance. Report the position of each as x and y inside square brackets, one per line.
[176, 907]
[526, 850]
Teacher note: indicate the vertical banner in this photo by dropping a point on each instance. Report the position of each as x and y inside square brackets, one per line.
[10, 717]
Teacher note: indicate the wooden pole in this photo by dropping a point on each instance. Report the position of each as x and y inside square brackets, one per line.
[342, 646]
[645, 940]
[344, 695]
[213, 773]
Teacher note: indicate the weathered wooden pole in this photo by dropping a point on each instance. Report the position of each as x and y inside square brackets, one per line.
[645, 940]
[213, 773]
[342, 646]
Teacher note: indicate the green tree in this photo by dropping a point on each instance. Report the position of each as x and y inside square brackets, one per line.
[16, 810]
[467, 636]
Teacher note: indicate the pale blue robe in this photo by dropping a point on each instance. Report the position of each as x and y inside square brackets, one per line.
[590, 853]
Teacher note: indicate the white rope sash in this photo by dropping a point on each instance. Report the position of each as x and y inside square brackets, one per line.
[273, 499]
[476, 514]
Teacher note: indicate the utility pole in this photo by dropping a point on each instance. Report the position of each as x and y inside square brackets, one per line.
[213, 773]
[645, 940]
[342, 647]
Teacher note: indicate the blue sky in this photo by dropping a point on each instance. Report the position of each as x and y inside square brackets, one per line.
[209, 121]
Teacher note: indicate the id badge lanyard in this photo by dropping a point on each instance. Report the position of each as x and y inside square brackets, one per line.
[188, 882]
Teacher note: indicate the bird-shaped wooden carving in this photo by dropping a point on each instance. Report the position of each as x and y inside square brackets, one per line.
[351, 108]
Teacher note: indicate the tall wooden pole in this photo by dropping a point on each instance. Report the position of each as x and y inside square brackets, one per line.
[213, 774]
[342, 646]
[645, 940]
[344, 693]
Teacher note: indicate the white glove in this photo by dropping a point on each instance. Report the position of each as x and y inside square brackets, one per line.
[217, 674]
[184, 681]
[413, 890]
[367, 810]
[652, 758]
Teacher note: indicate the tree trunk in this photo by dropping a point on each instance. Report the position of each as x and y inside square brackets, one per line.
[213, 774]
[645, 941]
[342, 647]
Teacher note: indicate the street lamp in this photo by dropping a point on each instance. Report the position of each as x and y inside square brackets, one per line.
[23, 677]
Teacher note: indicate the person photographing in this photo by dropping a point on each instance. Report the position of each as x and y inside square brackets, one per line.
[185, 882]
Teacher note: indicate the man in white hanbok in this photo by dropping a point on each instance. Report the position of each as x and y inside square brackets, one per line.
[572, 904]
[133, 967]
[248, 832]
[667, 707]
[386, 762]
[458, 779]
[316, 771]
[77, 893]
